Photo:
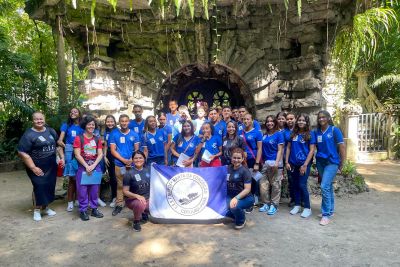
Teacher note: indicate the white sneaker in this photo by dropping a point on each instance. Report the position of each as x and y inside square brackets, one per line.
[70, 206]
[36, 215]
[76, 203]
[113, 202]
[306, 213]
[101, 202]
[295, 210]
[50, 212]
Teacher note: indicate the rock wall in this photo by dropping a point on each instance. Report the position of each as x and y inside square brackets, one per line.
[279, 56]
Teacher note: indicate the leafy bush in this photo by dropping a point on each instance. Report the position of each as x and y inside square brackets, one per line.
[349, 168]
[8, 149]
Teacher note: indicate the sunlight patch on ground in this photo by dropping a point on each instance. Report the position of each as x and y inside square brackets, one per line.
[75, 236]
[60, 258]
[153, 248]
[383, 187]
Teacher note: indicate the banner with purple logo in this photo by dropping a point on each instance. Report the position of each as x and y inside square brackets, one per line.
[188, 194]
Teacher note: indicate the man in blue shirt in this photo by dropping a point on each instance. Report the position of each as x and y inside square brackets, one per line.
[123, 142]
[219, 125]
[173, 116]
[137, 125]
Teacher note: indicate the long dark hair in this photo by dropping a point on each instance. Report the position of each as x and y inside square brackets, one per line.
[107, 130]
[275, 121]
[326, 114]
[283, 114]
[71, 121]
[307, 132]
[191, 128]
[146, 123]
[236, 129]
[211, 126]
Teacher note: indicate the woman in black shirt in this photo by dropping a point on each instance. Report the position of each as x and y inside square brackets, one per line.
[239, 189]
[230, 141]
[37, 149]
[136, 188]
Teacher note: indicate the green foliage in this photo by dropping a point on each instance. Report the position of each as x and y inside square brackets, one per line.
[349, 168]
[8, 150]
[357, 43]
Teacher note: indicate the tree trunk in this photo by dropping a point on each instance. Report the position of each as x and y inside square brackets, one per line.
[61, 66]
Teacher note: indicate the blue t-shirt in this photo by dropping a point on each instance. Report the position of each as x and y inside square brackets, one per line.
[212, 145]
[252, 137]
[299, 149]
[270, 144]
[71, 132]
[241, 127]
[181, 144]
[125, 144]
[154, 143]
[327, 143]
[167, 130]
[137, 127]
[171, 120]
[220, 129]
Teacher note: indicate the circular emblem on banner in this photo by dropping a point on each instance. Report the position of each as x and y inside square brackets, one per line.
[187, 193]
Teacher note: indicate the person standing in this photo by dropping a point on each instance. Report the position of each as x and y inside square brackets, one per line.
[240, 197]
[201, 118]
[173, 116]
[185, 143]
[290, 124]
[226, 114]
[242, 111]
[136, 189]
[210, 147]
[111, 125]
[153, 143]
[167, 130]
[88, 150]
[331, 154]
[218, 124]
[69, 131]
[137, 125]
[37, 149]
[299, 156]
[231, 140]
[123, 142]
[272, 150]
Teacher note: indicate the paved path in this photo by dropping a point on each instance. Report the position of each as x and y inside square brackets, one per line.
[365, 232]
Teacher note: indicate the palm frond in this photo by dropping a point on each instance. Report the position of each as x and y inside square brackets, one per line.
[386, 79]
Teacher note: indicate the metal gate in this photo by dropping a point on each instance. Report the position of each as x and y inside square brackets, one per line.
[372, 132]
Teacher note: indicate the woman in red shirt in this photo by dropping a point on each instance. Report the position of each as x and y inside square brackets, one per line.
[88, 152]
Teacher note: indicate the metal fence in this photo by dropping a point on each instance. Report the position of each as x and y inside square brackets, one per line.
[372, 132]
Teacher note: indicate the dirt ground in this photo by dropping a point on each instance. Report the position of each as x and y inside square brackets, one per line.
[364, 232]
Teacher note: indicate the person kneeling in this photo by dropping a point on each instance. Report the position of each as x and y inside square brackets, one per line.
[136, 189]
[239, 189]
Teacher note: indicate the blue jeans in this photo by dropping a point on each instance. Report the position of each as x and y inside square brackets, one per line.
[290, 185]
[327, 171]
[238, 212]
[299, 186]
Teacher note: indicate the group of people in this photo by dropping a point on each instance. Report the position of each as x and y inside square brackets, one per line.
[257, 161]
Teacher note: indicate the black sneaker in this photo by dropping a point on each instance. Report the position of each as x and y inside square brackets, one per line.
[145, 218]
[116, 210]
[84, 216]
[240, 226]
[96, 213]
[249, 210]
[136, 226]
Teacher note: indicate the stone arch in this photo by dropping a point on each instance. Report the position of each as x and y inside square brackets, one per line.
[180, 82]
